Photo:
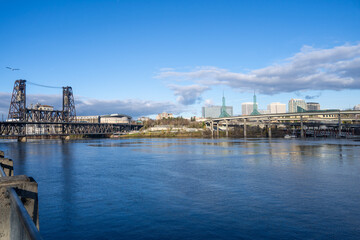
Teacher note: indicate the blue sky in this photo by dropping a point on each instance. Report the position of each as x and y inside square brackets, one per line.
[145, 57]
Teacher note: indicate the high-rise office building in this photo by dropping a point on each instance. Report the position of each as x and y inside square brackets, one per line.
[215, 111]
[297, 105]
[276, 107]
[313, 106]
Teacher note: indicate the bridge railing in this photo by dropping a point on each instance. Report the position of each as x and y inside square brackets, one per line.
[18, 220]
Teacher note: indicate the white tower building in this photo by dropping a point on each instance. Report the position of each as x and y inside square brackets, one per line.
[247, 108]
[276, 107]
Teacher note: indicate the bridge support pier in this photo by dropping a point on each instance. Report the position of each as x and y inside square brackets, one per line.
[301, 127]
[22, 139]
[269, 126]
[65, 138]
[212, 129]
[339, 125]
[227, 128]
[244, 127]
[217, 129]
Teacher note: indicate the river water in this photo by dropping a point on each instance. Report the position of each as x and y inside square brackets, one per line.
[194, 188]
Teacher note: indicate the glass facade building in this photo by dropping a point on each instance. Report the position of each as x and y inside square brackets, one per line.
[215, 111]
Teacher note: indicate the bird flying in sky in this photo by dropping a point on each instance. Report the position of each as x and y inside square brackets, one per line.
[12, 69]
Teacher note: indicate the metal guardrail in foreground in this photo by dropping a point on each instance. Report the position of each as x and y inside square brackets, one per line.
[26, 229]
[2, 174]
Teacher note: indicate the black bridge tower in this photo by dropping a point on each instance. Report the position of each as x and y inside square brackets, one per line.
[17, 110]
[69, 112]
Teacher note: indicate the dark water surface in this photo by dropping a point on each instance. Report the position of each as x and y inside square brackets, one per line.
[194, 188]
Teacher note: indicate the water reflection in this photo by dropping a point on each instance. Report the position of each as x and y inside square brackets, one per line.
[194, 188]
[19, 157]
[273, 149]
[67, 179]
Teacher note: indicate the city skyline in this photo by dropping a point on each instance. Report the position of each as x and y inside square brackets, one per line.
[143, 58]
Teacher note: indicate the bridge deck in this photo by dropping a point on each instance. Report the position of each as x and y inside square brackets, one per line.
[286, 115]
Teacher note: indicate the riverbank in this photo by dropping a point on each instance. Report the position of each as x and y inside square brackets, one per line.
[252, 132]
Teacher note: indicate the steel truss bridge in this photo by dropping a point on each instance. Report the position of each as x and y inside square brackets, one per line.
[24, 129]
[340, 120]
[25, 122]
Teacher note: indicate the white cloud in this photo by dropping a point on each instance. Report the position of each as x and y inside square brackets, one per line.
[5, 99]
[132, 107]
[337, 68]
[188, 95]
[208, 102]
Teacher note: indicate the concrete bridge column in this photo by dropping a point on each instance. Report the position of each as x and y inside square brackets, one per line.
[22, 139]
[65, 138]
[244, 127]
[212, 128]
[227, 128]
[301, 127]
[269, 125]
[339, 124]
[217, 129]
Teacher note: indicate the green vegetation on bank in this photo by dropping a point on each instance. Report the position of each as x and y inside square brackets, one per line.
[252, 132]
[164, 134]
[175, 122]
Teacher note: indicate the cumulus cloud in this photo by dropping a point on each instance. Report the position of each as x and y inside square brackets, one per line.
[310, 69]
[208, 102]
[4, 104]
[134, 108]
[188, 95]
